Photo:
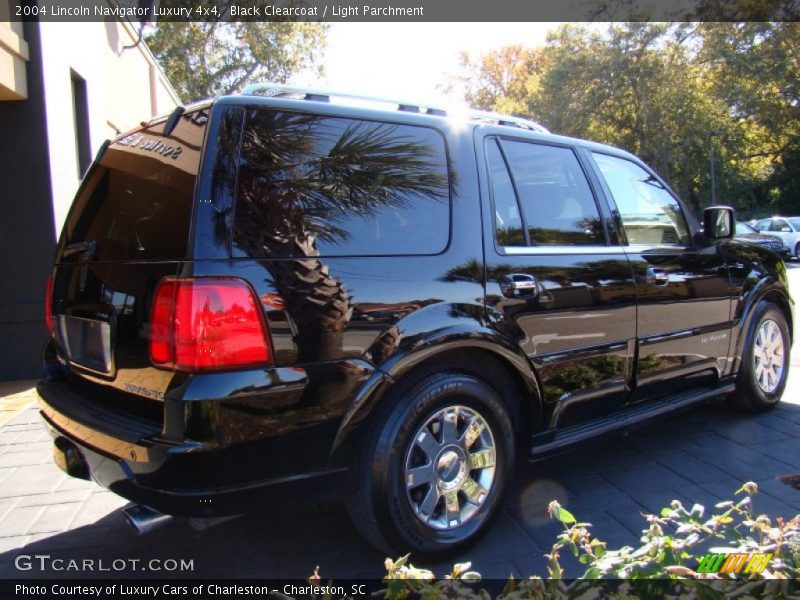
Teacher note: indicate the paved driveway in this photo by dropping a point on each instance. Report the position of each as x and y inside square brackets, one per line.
[698, 456]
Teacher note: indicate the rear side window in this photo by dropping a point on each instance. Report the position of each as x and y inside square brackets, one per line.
[314, 185]
[541, 196]
[137, 202]
[649, 213]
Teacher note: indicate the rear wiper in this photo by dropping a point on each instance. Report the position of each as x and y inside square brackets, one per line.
[88, 249]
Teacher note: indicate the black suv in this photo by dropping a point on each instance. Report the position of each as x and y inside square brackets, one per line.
[286, 287]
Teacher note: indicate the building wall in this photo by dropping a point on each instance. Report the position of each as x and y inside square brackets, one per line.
[124, 87]
[13, 57]
[26, 226]
[39, 155]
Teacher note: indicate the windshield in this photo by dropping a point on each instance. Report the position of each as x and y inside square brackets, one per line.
[743, 228]
[137, 201]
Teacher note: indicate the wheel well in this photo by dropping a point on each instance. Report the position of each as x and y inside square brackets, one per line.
[525, 412]
[494, 370]
[782, 303]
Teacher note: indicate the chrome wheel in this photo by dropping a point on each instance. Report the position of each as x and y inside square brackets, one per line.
[450, 467]
[768, 357]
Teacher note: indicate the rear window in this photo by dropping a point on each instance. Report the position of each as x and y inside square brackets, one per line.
[314, 185]
[137, 202]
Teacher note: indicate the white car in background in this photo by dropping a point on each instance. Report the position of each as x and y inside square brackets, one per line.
[786, 228]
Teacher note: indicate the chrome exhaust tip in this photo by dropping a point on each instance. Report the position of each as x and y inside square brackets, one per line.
[144, 519]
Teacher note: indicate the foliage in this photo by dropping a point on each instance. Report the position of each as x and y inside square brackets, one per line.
[755, 68]
[677, 538]
[213, 58]
[404, 580]
[668, 92]
[664, 564]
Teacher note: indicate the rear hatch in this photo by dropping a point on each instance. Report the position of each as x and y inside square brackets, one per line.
[129, 226]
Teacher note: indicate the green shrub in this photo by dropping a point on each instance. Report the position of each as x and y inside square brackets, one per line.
[667, 563]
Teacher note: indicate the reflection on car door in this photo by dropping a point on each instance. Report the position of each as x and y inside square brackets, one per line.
[683, 292]
[553, 281]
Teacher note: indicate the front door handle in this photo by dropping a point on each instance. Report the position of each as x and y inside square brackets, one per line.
[655, 277]
[518, 285]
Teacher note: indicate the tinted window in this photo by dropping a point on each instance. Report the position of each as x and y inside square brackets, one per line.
[649, 213]
[312, 185]
[778, 225]
[508, 224]
[556, 201]
[137, 202]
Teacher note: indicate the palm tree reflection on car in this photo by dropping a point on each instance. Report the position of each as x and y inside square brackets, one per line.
[292, 195]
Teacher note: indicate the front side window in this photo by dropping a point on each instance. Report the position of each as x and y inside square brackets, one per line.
[649, 213]
[311, 185]
[545, 188]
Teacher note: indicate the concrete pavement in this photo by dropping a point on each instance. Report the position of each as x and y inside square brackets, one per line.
[699, 456]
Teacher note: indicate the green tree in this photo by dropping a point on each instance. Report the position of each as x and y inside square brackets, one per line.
[497, 80]
[755, 68]
[209, 59]
[666, 92]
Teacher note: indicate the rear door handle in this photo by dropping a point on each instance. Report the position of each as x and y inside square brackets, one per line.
[517, 285]
[655, 277]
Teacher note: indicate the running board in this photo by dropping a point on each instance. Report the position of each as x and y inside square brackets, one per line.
[549, 443]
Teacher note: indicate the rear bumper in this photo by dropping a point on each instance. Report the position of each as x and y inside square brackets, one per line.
[133, 461]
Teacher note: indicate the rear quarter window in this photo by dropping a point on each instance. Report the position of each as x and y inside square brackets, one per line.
[137, 201]
[312, 185]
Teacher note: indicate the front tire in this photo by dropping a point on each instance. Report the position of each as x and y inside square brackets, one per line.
[434, 468]
[765, 360]
[797, 251]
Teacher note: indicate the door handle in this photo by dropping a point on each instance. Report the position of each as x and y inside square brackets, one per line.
[518, 285]
[655, 277]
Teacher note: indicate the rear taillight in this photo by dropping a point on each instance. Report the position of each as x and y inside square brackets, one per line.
[48, 307]
[207, 324]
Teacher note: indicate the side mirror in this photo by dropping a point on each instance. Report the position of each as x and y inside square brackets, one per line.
[718, 223]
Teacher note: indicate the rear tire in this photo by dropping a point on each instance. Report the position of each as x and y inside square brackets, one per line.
[432, 472]
[797, 251]
[765, 360]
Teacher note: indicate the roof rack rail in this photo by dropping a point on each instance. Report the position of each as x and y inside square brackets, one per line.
[274, 90]
[277, 90]
[499, 119]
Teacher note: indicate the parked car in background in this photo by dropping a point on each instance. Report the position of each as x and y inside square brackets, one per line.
[748, 233]
[274, 295]
[786, 228]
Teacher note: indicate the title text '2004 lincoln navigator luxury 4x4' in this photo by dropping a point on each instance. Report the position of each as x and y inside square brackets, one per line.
[286, 286]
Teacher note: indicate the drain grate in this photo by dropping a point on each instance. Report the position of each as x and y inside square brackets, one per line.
[791, 480]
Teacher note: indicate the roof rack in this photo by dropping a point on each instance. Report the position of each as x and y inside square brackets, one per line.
[275, 90]
[498, 119]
